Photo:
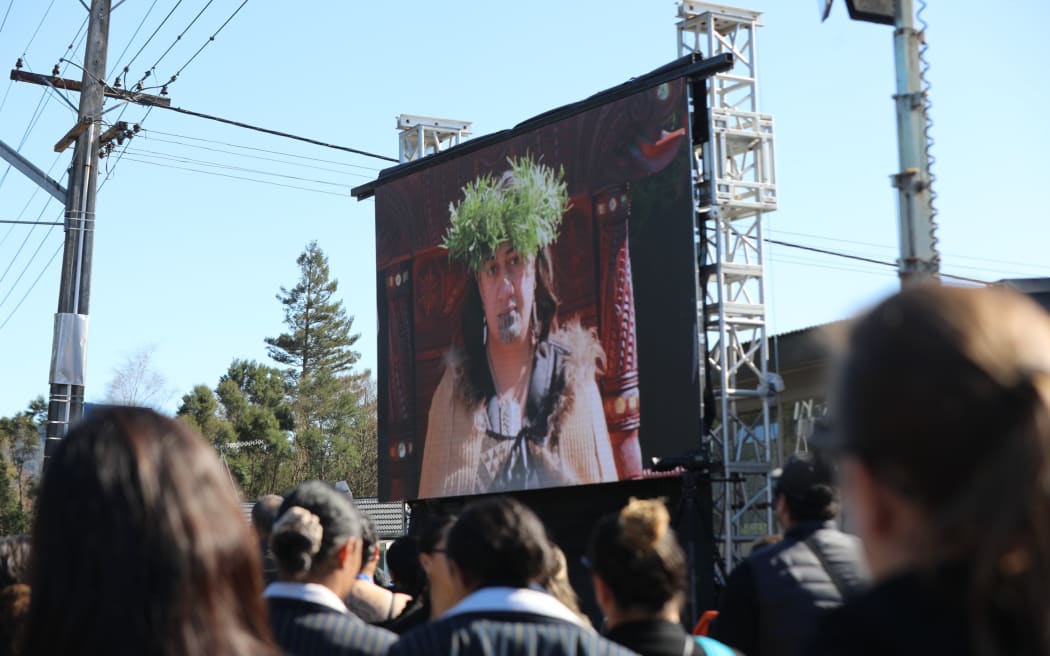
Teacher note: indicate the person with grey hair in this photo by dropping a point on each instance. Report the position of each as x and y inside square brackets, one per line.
[264, 513]
[317, 544]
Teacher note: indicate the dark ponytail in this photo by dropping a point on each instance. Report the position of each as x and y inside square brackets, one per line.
[314, 523]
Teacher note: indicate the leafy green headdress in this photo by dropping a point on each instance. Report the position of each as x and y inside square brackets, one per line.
[524, 207]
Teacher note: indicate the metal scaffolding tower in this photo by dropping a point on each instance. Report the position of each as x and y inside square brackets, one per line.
[735, 186]
[420, 136]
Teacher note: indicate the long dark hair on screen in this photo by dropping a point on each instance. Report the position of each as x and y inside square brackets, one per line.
[944, 395]
[140, 546]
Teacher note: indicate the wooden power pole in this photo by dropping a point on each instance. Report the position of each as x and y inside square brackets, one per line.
[69, 349]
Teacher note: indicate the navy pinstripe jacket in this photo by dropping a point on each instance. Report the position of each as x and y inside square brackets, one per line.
[303, 628]
[504, 633]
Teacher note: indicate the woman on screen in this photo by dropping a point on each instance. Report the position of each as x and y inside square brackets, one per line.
[518, 406]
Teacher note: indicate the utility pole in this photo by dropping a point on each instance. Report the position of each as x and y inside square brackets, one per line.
[69, 349]
[919, 262]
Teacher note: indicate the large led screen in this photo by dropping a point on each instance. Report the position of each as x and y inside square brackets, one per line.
[537, 302]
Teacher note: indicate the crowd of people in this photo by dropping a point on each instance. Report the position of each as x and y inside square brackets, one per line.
[938, 453]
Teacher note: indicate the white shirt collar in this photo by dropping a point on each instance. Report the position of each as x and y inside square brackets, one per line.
[312, 592]
[520, 600]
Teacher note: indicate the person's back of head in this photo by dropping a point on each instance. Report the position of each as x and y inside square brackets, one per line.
[943, 402]
[555, 581]
[139, 546]
[369, 543]
[498, 542]
[808, 489]
[315, 522]
[264, 513]
[402, 561]
[433, 542]
[636, 555]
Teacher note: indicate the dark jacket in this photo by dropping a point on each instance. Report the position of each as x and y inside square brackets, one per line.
[655, 638]
[305, 628]
[774, 599]
[504, 633]
[920, 614]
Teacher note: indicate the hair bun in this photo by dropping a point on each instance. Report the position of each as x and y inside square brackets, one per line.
[301, 521]
[644, 523]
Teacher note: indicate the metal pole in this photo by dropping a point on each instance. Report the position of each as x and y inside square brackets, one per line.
[69, 349]
[919, 261]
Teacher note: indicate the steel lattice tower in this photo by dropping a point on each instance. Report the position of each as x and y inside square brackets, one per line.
[734, 185]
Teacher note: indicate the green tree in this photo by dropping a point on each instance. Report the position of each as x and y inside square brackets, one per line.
[319, 337]
[329, 402]
[248, 419]
[19, 464]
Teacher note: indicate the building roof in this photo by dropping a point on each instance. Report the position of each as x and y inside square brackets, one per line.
[390, 518]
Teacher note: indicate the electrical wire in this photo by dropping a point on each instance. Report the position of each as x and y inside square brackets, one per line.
[256, 157]
[153, 69]
[261, 150]
[151, 36]
[37, 30]
[6, 13]
[131, 40]
[28, 234]
[278, 133]
[210, 39]
[26, 268]
[954, 256]
[238, 177]
[230, 167]
[867, 260]
[32, 286]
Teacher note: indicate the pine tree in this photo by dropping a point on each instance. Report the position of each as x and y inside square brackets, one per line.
[330, 405]
[319, 337]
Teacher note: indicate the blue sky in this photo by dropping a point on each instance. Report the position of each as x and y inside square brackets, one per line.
[188, 263]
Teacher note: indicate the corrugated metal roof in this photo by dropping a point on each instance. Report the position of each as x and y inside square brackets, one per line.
[390, 518]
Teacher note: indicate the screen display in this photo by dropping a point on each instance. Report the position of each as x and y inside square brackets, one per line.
[537, 302]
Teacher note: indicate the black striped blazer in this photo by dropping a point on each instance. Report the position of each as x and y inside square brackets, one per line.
[504, 633]
[303, 628]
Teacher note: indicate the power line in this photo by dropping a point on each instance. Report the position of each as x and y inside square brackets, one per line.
[238, 177]
[26, 267]
[254, 157]
[6, 13]
[865, 259]
[128, 65]
[261, 150]
[153, 68]
[210, 39]
[132, 39]
[230, 167]
[892, 248]
[278, 133]
[32, 286]
[37, 30]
